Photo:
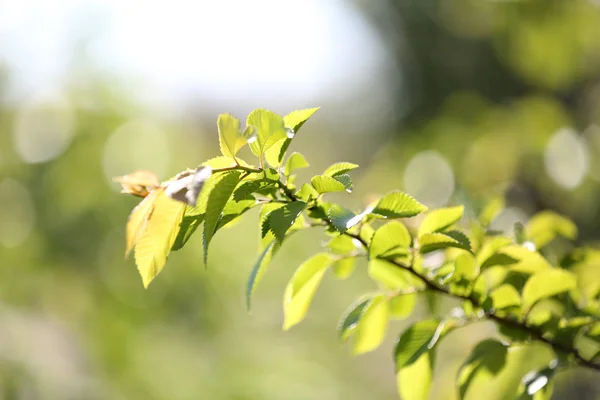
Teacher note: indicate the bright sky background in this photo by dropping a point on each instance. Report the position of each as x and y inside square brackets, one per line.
[225, 53]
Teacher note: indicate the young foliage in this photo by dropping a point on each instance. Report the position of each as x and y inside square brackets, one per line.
[501, 277]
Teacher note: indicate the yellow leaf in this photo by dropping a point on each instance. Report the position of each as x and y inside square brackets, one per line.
[138, 219]
[161, 230]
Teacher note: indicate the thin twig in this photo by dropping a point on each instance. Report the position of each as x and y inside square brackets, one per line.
[534, 332]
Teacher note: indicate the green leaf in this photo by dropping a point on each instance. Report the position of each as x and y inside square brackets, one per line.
[414, 381]
[307, 193]
[222, 162]
[491, 211]
[527, 261]
[217, 200]
[302, 287]
[154, 243]
[435, 241]
[391, 238]
[258, 270]
[342, 218]
[293, 121]
[194, 216]
[339, 168]
[486, 360]
[415, 341]
[465, 266]
[281, 219]
[269, 130]
[261, 186]
[391, 276]
[547, 225]
[440, 220]
[505, 296]
[231, 138]
[491, 247]
[236, 208]
[345, 180]
[187, 227]
[294, 162]
[372, 325]
[327, 184]
[349, 320]
[266, 234]
[537, 385]
[547, 283]
[403, 305]
[342, 245]
[397, 204]
[296, 119]
[344, 267]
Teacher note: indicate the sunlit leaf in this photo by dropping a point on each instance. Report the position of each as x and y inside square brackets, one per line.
[349, 320]
[231, 138]
[372, 325]
[392, 276]
[307, 193]
[342, 245]
[414, 380]
[415, 341]
[327, 184]
[217, 200]
[296, 119]
[492, 209]
[302, 287]
[339, 168]
[505, 296]
[269, 130]
[153, 246]
[465, 266]
[547, 283]
[294, 162]
[485, 361]
[344, 267]
[397, 204]
[491, 247]
[293, 122]
[546, 225]
[389, 238]
[138, 219]
[403, 305]
[436, 241]
[441, 219]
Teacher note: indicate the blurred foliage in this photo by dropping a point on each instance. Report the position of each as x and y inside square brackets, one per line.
[489, 82]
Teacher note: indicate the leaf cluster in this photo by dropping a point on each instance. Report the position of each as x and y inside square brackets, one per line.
[411, 252]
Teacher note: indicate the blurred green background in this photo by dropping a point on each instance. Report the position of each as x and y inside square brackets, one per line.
[450, 100]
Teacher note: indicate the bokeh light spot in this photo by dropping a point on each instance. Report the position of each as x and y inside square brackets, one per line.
[137, 144]
[429, 178]
[43, 127]
[566, 158]
[17, 213]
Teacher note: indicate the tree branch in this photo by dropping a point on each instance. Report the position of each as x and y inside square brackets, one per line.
[532, 331]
